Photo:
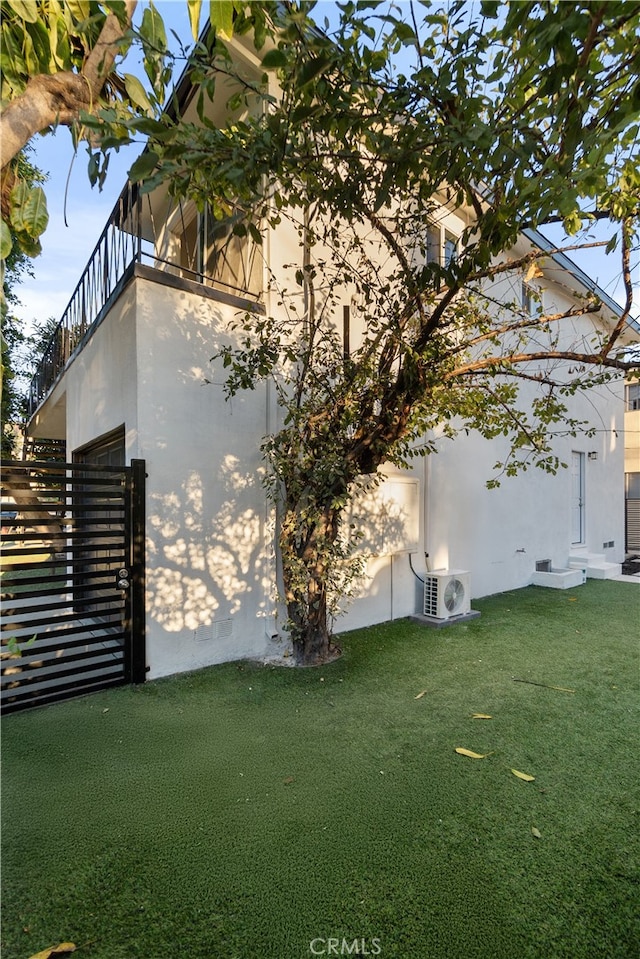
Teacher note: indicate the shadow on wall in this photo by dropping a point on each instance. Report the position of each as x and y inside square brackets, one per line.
[207, 554]
[212, 555]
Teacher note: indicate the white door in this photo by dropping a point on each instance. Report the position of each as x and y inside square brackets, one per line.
[577, 498]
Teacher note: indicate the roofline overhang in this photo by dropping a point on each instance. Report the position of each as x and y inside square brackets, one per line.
[583, 279]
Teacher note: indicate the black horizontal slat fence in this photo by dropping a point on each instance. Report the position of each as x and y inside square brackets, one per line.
[72, 580]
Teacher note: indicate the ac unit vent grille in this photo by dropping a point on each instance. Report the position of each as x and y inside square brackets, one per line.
[447, 594]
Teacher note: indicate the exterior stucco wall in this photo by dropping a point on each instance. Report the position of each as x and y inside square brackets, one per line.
[210, 569]
[392, 521]
[100, 383]
[499, 534]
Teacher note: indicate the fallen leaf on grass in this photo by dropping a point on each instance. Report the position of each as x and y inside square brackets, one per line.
[289, 780]
[420, 695]
[481, 716]
[470, 754]
[53, 951]
[523, 776]
[536, 832]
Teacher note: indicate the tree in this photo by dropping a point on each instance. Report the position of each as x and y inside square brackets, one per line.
[518, 117]
[17, 265]
[60, 66]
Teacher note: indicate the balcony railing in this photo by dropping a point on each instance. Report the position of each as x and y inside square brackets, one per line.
[120, 245]
[123, 243]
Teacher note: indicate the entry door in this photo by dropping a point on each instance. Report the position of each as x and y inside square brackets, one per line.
[577, 499]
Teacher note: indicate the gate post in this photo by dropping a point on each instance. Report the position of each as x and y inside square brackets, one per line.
[138, 571]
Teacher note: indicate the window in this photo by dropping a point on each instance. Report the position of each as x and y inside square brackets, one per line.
[632, 396]
[450, 248]
[633, 485]
[433, 244]
[531, 301]
[442, 246]
[210, 250]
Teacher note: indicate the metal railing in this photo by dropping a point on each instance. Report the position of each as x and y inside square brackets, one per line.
[120, 245]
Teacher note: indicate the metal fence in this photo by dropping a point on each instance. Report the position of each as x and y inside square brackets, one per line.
[72, 580]
[633, 525]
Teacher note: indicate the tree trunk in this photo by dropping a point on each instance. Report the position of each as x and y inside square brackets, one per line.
[306, 558]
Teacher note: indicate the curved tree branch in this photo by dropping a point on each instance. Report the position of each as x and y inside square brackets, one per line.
[59, 98]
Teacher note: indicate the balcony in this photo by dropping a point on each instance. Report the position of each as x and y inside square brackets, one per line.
[152, 231]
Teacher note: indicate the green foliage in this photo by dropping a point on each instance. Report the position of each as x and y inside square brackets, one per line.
[357, 141]
[518, 120]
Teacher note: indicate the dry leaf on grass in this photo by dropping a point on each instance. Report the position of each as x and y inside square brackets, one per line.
[467, 752]
[420, 695]
[64, 949]
[524, 776]
[481, 716]
[536, 832]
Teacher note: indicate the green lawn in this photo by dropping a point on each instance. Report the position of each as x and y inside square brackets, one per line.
[254, 812]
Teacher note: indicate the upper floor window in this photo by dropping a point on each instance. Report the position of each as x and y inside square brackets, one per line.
[450, 248]
[213, 253]
[442, 246]
[530, 298]
[632, 396]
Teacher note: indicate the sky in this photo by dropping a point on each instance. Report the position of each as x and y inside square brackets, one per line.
[78, 213]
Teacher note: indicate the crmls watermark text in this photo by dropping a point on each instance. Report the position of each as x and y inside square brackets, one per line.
[345, 947]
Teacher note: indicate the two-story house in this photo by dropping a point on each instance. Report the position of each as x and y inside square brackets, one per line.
[128, 376]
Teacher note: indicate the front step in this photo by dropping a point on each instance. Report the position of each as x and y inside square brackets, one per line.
[595, 565]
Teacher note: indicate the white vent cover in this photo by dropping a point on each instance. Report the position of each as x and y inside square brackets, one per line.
[447, 593]
[218, 629]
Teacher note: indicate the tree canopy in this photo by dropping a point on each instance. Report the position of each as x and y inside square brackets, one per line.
[516, 116]
[359, 137]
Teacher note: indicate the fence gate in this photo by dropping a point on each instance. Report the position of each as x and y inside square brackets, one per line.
[72, 580]
[632, 525]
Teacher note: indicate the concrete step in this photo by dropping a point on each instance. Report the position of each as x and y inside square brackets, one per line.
[595, 564]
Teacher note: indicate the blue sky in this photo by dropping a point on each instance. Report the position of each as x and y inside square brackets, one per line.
[78, 213]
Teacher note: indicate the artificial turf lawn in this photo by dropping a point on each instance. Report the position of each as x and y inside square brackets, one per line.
[249, 811]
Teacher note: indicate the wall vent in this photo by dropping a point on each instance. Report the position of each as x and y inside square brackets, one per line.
[218, 629]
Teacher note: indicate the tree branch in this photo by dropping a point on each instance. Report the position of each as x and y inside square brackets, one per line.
[590, 359]
[59, 98]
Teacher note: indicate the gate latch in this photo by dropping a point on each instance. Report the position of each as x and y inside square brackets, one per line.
[123, 580]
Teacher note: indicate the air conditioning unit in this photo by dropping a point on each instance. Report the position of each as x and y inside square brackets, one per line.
[447, 593]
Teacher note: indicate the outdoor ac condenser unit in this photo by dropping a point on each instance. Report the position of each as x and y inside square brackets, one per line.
[447, 593]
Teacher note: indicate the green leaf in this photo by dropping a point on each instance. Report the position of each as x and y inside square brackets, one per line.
[152, 29]
[313, 68]
[194, 7]
[274, 59]
[404, 32]
[144, 165]
[5, 241]
[29, 209]
[137, 93]
[221, 17]
[26, 10]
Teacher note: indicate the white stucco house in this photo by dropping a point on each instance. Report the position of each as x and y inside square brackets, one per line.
[128, 376]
